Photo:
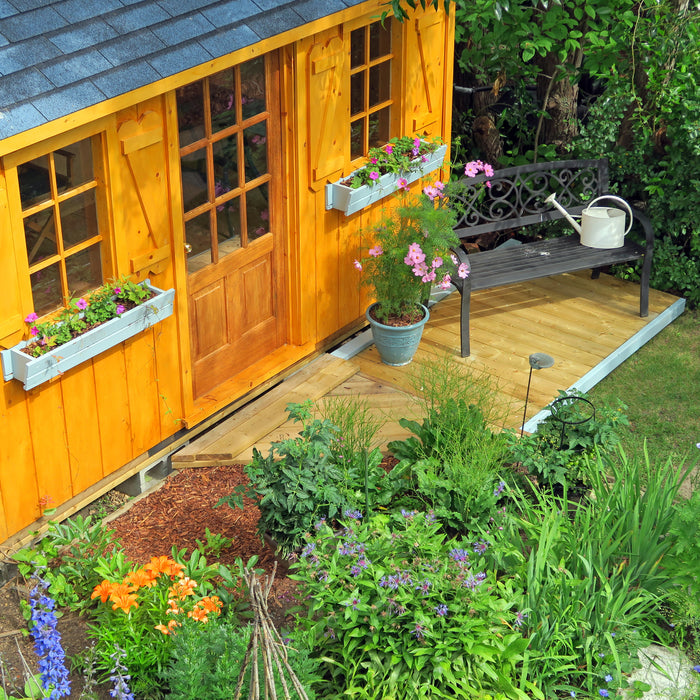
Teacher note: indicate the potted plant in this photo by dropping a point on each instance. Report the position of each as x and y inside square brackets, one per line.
[84, 329]
[389, 168]
[410, 253]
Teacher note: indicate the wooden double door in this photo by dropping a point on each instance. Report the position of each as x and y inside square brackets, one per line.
[229, 127]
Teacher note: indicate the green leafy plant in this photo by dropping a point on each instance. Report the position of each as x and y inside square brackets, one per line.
[556, 453]
[205, 662]
[297, 483]
[398, 610]
[402, 155]
[74, 550]
[213, 544]
[80, 315]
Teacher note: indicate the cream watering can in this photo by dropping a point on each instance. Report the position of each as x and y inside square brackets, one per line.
[600, 227]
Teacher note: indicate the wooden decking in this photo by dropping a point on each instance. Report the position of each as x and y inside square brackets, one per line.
[588, 326]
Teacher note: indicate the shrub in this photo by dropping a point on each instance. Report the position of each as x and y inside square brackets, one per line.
[397, 610]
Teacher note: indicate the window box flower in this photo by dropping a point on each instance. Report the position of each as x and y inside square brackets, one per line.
[33, 371]
[391, 175]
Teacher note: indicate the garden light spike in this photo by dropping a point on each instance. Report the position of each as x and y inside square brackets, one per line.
[538, 360]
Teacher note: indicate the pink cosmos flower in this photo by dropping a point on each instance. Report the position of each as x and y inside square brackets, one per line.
[31, 318]
[430, 192]
[488, 170]
[420, 269]
[357, 264]
[453, 257]
[415, 255]
[403, 184]
[437, 263]
[445, 282]
[376, 251]
[374, 175]
[120, 309]
[429, 277]
[81, 304]
[463, 271]
[470, 169]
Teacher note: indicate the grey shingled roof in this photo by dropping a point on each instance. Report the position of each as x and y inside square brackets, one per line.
[59, 56]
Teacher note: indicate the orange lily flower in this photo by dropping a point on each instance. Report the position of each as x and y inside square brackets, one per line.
[171, 626]
[141, 578]
[102, 591]
[182, 588]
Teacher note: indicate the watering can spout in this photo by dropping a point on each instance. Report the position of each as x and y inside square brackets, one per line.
[552, 199]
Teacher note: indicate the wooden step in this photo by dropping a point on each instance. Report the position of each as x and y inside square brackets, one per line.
[226, 441]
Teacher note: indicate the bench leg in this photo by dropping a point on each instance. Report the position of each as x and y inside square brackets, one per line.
[644, 286]
[466, 292]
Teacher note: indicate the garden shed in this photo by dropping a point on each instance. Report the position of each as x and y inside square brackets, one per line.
[190, 144]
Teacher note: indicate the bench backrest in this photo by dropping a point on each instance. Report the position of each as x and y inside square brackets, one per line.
[516, 197]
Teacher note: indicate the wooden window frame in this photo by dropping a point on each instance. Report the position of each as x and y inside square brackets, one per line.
[394, 101]
[210, 139]
[97, 133]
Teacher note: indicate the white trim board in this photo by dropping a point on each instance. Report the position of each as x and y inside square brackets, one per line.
[617, 357]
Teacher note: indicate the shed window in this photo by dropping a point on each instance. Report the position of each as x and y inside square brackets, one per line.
[223, 124]
[370, 87]
[59, 194]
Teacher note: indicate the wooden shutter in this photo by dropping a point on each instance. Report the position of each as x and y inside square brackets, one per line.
[143, 217]
[425, 68]
[327, 107]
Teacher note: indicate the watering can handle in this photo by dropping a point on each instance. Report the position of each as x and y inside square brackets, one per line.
[621, 201]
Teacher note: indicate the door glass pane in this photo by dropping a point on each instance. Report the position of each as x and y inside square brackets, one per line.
[357, 47]
[255, 140]
[78, 218]
[40, 235]
[194, 179]
[379, 127]
[379, 83]
[34, 183]
[222, 93]
[84, 270]
[253, 87]
[258, 210]
[225, 165]
[190, 113]
[228, 226]
[198, 236]
[379, 39]
[357, 93]
[46, 289]
[357, 140]
[73, 165]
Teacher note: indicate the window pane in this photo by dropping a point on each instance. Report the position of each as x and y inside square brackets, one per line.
[258, 210]
[357, 47]
[198, 235]
[255, 140]
[78, 218]
[228, 226]
[73, 165]
[40, 235]
[46, 289]
[379, 83]
[225, 165]
[194, 179]
[34, 183]
[357, 93]
[379, 39]
[222, 93]
[379, 127]
[253, 87]
[84, 270]
[190, 113]
[357, 139]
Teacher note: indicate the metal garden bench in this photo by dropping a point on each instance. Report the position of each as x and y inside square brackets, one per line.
[516, 200]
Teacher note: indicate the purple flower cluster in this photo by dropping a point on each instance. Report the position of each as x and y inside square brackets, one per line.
[459, 554]
[473, 582]
[441, 610]
[119, 677]
[393, 581]
[47, 640]
[352, 514]
[481, 545]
